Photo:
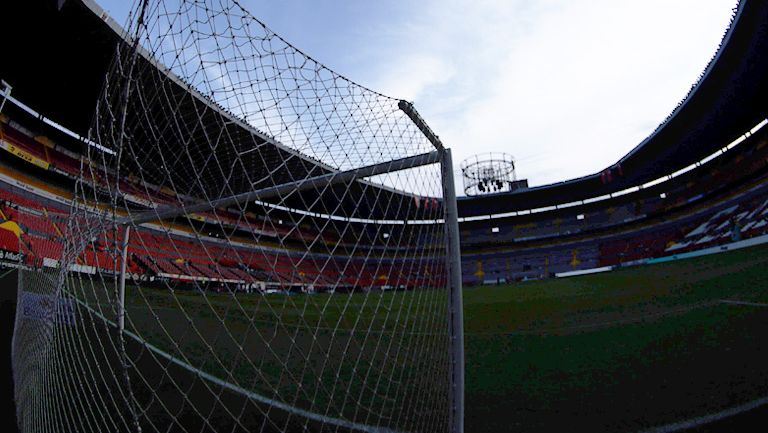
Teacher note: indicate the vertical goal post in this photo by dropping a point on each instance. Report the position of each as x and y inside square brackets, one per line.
[453, 259]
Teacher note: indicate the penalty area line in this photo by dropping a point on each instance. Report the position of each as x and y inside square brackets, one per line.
[745, 303]
[707, 419]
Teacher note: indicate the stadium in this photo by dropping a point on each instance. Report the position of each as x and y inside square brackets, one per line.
[203, 228]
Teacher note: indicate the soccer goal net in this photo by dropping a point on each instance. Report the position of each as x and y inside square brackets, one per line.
[255, 243]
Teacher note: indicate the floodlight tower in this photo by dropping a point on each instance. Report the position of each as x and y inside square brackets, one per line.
[489, 173]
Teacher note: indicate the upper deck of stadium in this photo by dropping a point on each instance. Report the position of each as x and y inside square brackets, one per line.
[60, 76]
[60, 73]
[730, 98]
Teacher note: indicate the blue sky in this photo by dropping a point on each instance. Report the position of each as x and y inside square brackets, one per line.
[565, 86]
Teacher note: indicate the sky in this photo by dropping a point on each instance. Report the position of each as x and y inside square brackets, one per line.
[565, 86]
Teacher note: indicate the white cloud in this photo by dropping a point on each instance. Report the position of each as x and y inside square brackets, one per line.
[414, 75]
[568, 87]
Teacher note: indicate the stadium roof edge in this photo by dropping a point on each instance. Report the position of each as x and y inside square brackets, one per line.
[726, 39]
[60, 72]
[730, 96]
[122, 34]
[73, 52]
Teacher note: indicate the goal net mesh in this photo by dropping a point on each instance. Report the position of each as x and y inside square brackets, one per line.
[319, 302]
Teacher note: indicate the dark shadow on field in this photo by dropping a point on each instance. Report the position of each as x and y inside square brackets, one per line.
[587, 382]
[78, 367]
[627, 351]
[199, 362]
[174, 397]
[340, 371]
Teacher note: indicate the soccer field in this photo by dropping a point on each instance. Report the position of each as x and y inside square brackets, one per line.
[622, 351]
[346, 356]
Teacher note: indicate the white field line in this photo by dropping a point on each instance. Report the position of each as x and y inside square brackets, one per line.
[601, 324]
[237, 389]
[706, 419]
[749, 304]
[717, 416]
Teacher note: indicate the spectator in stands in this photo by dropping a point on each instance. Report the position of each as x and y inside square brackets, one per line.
[735, 230]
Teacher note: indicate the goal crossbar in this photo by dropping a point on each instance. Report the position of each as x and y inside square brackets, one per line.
[322, 181]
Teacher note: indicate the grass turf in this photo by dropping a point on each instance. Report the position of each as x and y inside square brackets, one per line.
[621, 351]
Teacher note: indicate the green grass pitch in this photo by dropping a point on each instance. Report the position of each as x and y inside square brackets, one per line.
[621, 351]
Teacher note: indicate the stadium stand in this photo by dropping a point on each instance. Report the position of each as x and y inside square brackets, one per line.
[670, 217]
[553, 228]
[42, 226]
[720, 201]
